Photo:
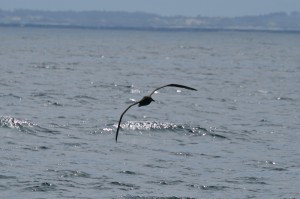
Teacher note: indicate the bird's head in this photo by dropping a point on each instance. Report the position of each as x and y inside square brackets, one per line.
[152, 100]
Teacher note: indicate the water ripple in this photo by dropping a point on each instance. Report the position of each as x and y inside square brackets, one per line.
[71, 173]
[10, 95]
[209, 187]
[125, 186]
[7, 177]
[267, 164]
[129, 172]
[45, 65]
[42, 187]
[251, 180]
[166, 182]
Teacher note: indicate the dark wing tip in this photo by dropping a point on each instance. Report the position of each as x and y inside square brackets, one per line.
[182, 86]
[174, 85]
[119, 123]
[117, 133]
[193, 89]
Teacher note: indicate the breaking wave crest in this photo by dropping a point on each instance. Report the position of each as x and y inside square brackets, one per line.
[22, 125]
[184, 129]
[14, 123]
[149, 125]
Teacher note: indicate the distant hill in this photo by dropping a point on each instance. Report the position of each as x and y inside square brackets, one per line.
[137, 20]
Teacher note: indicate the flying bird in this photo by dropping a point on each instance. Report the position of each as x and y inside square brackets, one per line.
[146, 100]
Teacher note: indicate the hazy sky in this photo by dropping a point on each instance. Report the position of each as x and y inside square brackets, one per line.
[163, 7]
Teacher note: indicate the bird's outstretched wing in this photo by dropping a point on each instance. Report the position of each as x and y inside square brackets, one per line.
[122, 117]
[168, 85]
[173, 85]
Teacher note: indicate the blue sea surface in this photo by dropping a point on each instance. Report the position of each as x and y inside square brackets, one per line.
[63, 91]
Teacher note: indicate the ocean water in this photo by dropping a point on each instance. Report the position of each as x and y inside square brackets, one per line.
[63, 91]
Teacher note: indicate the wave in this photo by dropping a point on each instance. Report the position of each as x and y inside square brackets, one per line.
[23, 125]
[11, 122]
[185, 129]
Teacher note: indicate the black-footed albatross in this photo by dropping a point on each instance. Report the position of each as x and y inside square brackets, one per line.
[146, 100]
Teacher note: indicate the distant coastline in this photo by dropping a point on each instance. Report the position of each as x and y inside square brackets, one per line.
[274, 22]
[145, 29]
